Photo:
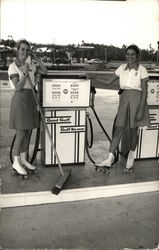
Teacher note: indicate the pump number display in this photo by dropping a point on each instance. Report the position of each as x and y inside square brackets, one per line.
[66, 92]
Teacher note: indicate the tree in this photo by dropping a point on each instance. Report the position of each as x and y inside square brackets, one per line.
[7, 49]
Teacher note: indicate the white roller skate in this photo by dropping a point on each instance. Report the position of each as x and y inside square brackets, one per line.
[106, 164]
[18, 168]
[130, 162]
[26, 164]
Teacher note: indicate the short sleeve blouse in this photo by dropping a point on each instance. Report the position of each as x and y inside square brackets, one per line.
[14, 70]
[131, 79]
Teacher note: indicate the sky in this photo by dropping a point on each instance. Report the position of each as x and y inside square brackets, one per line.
[73, 21]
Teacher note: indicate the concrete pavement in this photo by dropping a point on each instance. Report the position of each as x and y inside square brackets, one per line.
[108, 223]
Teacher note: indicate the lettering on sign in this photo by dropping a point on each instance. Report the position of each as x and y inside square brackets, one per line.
[64, 119]
[72, 129]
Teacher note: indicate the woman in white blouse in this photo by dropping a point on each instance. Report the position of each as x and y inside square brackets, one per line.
[132, 110]
[23, 112]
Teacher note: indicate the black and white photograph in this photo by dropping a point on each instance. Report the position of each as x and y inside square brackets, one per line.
[79, 124]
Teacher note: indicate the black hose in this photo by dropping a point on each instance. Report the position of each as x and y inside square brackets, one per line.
[108, 137]
[117, 152]
[36, 145]
[87, 144]
[89, 124]
[88, 121]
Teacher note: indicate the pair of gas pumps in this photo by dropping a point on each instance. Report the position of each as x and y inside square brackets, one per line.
[65, 99]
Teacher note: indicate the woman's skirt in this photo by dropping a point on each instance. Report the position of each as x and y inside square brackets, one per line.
[129, 104]
[23, 111]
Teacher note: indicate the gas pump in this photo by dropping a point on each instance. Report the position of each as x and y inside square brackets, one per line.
[64, 102]
[148, 143]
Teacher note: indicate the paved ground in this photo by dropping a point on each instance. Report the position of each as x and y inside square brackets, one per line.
[83, 176]
[110, 223]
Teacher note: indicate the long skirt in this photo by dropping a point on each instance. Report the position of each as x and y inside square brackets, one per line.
[129, 104]
[23, 111]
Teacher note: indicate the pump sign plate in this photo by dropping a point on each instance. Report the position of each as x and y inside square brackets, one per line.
[66, 93]
[153, 92]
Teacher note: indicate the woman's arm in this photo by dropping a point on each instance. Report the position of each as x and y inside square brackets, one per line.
[140, 113]
[103, 79]
[19, 82]
[41, 69]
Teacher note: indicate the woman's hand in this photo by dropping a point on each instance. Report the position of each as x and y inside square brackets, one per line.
[33, 55]
[87, 75]
[41, 69]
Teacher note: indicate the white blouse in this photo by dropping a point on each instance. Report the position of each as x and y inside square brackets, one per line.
[14, 70]
[131, 79]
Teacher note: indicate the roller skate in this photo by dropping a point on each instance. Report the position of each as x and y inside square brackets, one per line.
[31, 169]
[105, 165]
[130, 162]
[18, 169]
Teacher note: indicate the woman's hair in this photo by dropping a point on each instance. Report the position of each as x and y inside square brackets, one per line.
[135, 48]
[22, 41]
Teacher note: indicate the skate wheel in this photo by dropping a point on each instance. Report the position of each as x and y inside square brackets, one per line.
[99, 170]
[106, 171]
[23, 177]
[29, 171]
[126, 170]
[32, 171]
[13, 173]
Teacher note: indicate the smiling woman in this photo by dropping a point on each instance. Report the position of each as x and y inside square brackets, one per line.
[23, 112]
[132, 110]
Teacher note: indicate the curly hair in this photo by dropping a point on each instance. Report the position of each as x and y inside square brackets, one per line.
[22, 41]
[135, 48]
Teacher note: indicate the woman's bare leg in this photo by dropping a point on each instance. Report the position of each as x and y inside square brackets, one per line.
[23, 152]
[131, 155]
[118, 132]
[134, 138]
[25, 142]
[20, 134]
